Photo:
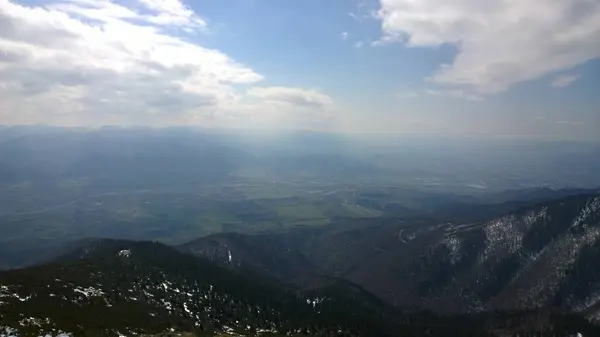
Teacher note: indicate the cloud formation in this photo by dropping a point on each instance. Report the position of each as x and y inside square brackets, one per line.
[173, 12]
[447, 93]
[564, 80]
[112, 61]
[499, 43]
[292, 96]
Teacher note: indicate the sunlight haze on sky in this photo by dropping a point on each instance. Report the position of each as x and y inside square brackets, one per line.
[522, 68]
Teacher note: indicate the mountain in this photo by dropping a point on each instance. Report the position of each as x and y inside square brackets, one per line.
[126, 288]
[538, 256]
[113, 157]
[264, 252]
[537, 194]
[109, 287]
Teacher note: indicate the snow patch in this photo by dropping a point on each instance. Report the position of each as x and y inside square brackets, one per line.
[167, 305]
[533, 217]
[314, 301]
[453, 245]
[22, 299]
[6, 331]
[185, 307]
[4, 289]
[588, 302]
[592, 207]
[502, 236]
[88, 292]
[125, 253]
[565, 250]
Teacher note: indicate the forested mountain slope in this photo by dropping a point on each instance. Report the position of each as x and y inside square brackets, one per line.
[537, 256]
[124, 288]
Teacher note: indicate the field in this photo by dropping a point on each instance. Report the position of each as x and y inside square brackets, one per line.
[47, 213]
[67, 210]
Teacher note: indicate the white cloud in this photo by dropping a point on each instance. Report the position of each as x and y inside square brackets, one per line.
[344, 36]
[449, 93]
[359, 44]
[99, 61]
[499, 42]
[455, 93]
[364, 11]
[173, 12]
[284, 108]
[292, 96]
[564, 80]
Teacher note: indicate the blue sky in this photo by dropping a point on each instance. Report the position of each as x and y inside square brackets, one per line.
[497, 68]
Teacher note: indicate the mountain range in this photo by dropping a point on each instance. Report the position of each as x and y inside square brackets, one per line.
[529, 271]
[537, 256]
[127, 288]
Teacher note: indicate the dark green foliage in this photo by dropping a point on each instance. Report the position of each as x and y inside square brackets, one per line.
[132, 295]
[582, 278]
[417, 262]
[560, 216]
[500, 275]
[394, 208]
[136, 287]
[473, 244]
[368, 203]
[437, 263]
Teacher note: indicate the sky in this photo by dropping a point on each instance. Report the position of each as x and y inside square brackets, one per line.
[509, 68]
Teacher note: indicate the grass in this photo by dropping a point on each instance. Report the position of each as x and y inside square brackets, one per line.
[299, 211]
[269, 192]
[73, 183]
[361, 211]
[171, 216]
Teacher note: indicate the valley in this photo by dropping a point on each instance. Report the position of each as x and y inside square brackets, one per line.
[113, 233]
[307, 168]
